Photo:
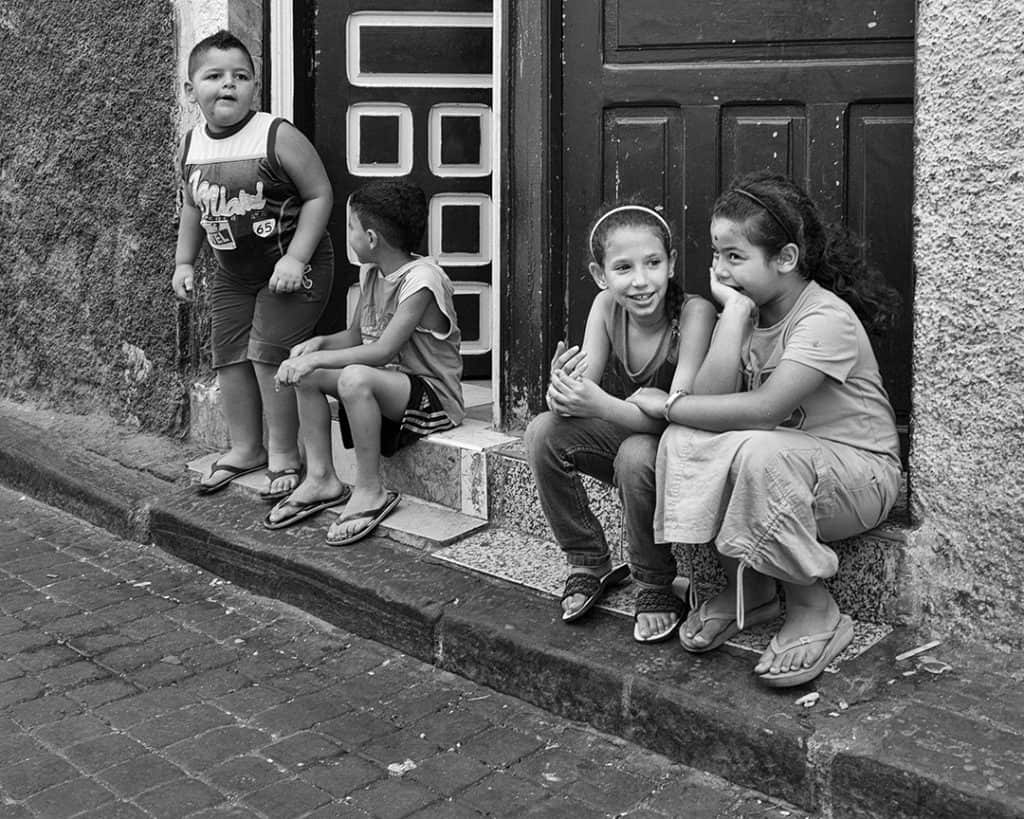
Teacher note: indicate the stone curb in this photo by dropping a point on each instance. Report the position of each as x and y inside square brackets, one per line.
[885, 755]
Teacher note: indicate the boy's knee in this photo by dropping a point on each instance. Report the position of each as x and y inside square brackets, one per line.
[353, 380]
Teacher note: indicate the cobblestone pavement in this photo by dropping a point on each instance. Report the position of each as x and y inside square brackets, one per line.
[133, 685]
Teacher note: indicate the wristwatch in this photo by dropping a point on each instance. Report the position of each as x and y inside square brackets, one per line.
[673, 397]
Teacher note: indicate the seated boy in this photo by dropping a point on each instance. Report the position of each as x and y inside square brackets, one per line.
[395, 371]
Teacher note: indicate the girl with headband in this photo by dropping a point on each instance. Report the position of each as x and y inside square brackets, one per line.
[653, 337]
[791, 442]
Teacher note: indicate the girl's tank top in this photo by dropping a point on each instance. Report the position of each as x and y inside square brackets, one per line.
[658, 370]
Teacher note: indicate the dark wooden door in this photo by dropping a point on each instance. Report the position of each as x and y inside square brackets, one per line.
[404, 89]
[670, 100]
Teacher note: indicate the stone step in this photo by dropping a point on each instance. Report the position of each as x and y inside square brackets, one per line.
[867, 586]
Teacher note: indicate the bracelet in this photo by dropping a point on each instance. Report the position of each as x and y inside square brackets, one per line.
[675, 396]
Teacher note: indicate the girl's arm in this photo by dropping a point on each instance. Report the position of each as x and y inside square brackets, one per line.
[190, 240]
[721, 371]
[304, 167]
[407, 317]
[584, 397]
[696, 323]
[767, 407]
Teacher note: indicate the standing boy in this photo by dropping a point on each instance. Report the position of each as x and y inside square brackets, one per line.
[256, 190]
[396, 370]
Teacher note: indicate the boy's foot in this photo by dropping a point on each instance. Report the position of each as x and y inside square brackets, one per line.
[281, 482]
[307, 493]
[227, 467]
[364, 512]
[788, 652]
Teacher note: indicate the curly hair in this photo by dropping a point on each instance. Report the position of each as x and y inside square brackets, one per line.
[395, 208]
[774, 211]
[632, 214]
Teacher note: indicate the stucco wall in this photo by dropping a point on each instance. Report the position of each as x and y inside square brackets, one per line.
[87, 207]
[967, 463]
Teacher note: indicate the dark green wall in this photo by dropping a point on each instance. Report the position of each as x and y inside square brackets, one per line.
[87, 210]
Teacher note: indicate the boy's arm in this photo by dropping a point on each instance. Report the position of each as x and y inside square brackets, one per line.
[304, 167]
[383, 351]
[190, 240]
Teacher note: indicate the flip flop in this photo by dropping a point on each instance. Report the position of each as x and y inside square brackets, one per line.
[233, 472]
[835, 641]
[304, 510]
[273, 475]
[373, 519]
[755, 617]
[593, 588]
[656, 601]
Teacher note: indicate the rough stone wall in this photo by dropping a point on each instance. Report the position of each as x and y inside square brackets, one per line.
[87, 136]
[967, 461]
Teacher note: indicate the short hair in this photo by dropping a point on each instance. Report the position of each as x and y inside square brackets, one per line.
[395, 208]
[222, 40]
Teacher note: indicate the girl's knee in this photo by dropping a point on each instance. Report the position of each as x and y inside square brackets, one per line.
[539, 430]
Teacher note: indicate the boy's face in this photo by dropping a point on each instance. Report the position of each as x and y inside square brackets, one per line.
[223, 86]
[359, 238]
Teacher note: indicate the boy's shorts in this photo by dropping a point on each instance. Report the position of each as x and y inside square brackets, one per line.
[249, 323]
[423, 415]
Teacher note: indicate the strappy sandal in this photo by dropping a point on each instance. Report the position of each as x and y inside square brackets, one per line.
[592, 588]
[657, 601]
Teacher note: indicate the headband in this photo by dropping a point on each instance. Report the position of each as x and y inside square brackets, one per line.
[641, 208]
[785, 228]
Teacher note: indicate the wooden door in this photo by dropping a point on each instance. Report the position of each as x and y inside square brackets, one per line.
[404, 89]
[669, 100]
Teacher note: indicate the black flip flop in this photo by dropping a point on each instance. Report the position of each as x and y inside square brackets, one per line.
[233, 472]
[304, 510]
[273, 475]
[374, 517]
[593, 588]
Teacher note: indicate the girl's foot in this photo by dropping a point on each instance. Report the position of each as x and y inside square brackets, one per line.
[282, 480]
[575, 602]
[802, 619]
[310, 490]
[705, 626]
[232, 464]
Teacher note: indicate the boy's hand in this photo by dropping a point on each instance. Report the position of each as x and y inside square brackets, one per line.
[183, 281]
[292, 370]
[650, 400]
[288, 275]
[310, 345]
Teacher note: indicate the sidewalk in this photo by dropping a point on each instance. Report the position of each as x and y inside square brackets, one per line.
[886, 738]
[135, 685]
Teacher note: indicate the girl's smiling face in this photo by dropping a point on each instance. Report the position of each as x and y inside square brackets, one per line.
[741, 265]
[636, 270]
[223, 86]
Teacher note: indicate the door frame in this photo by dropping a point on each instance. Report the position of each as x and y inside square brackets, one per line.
[288, 36]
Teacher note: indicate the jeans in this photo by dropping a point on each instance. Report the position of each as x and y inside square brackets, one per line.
[559, 449]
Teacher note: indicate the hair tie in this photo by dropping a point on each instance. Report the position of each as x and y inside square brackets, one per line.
[642, 208]
[785, 228]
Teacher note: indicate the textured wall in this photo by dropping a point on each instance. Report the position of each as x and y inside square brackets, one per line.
[87, 321]
[967, 463]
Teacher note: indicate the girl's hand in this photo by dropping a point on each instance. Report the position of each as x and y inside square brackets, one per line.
[183, 281]
[310, 345]
[292, 370]
[651, 401]
[288, 276]
[570, 395]
[730, 298]
[569, 360]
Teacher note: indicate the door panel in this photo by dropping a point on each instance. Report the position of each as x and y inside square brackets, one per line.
[670, 101]
[406, 91]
